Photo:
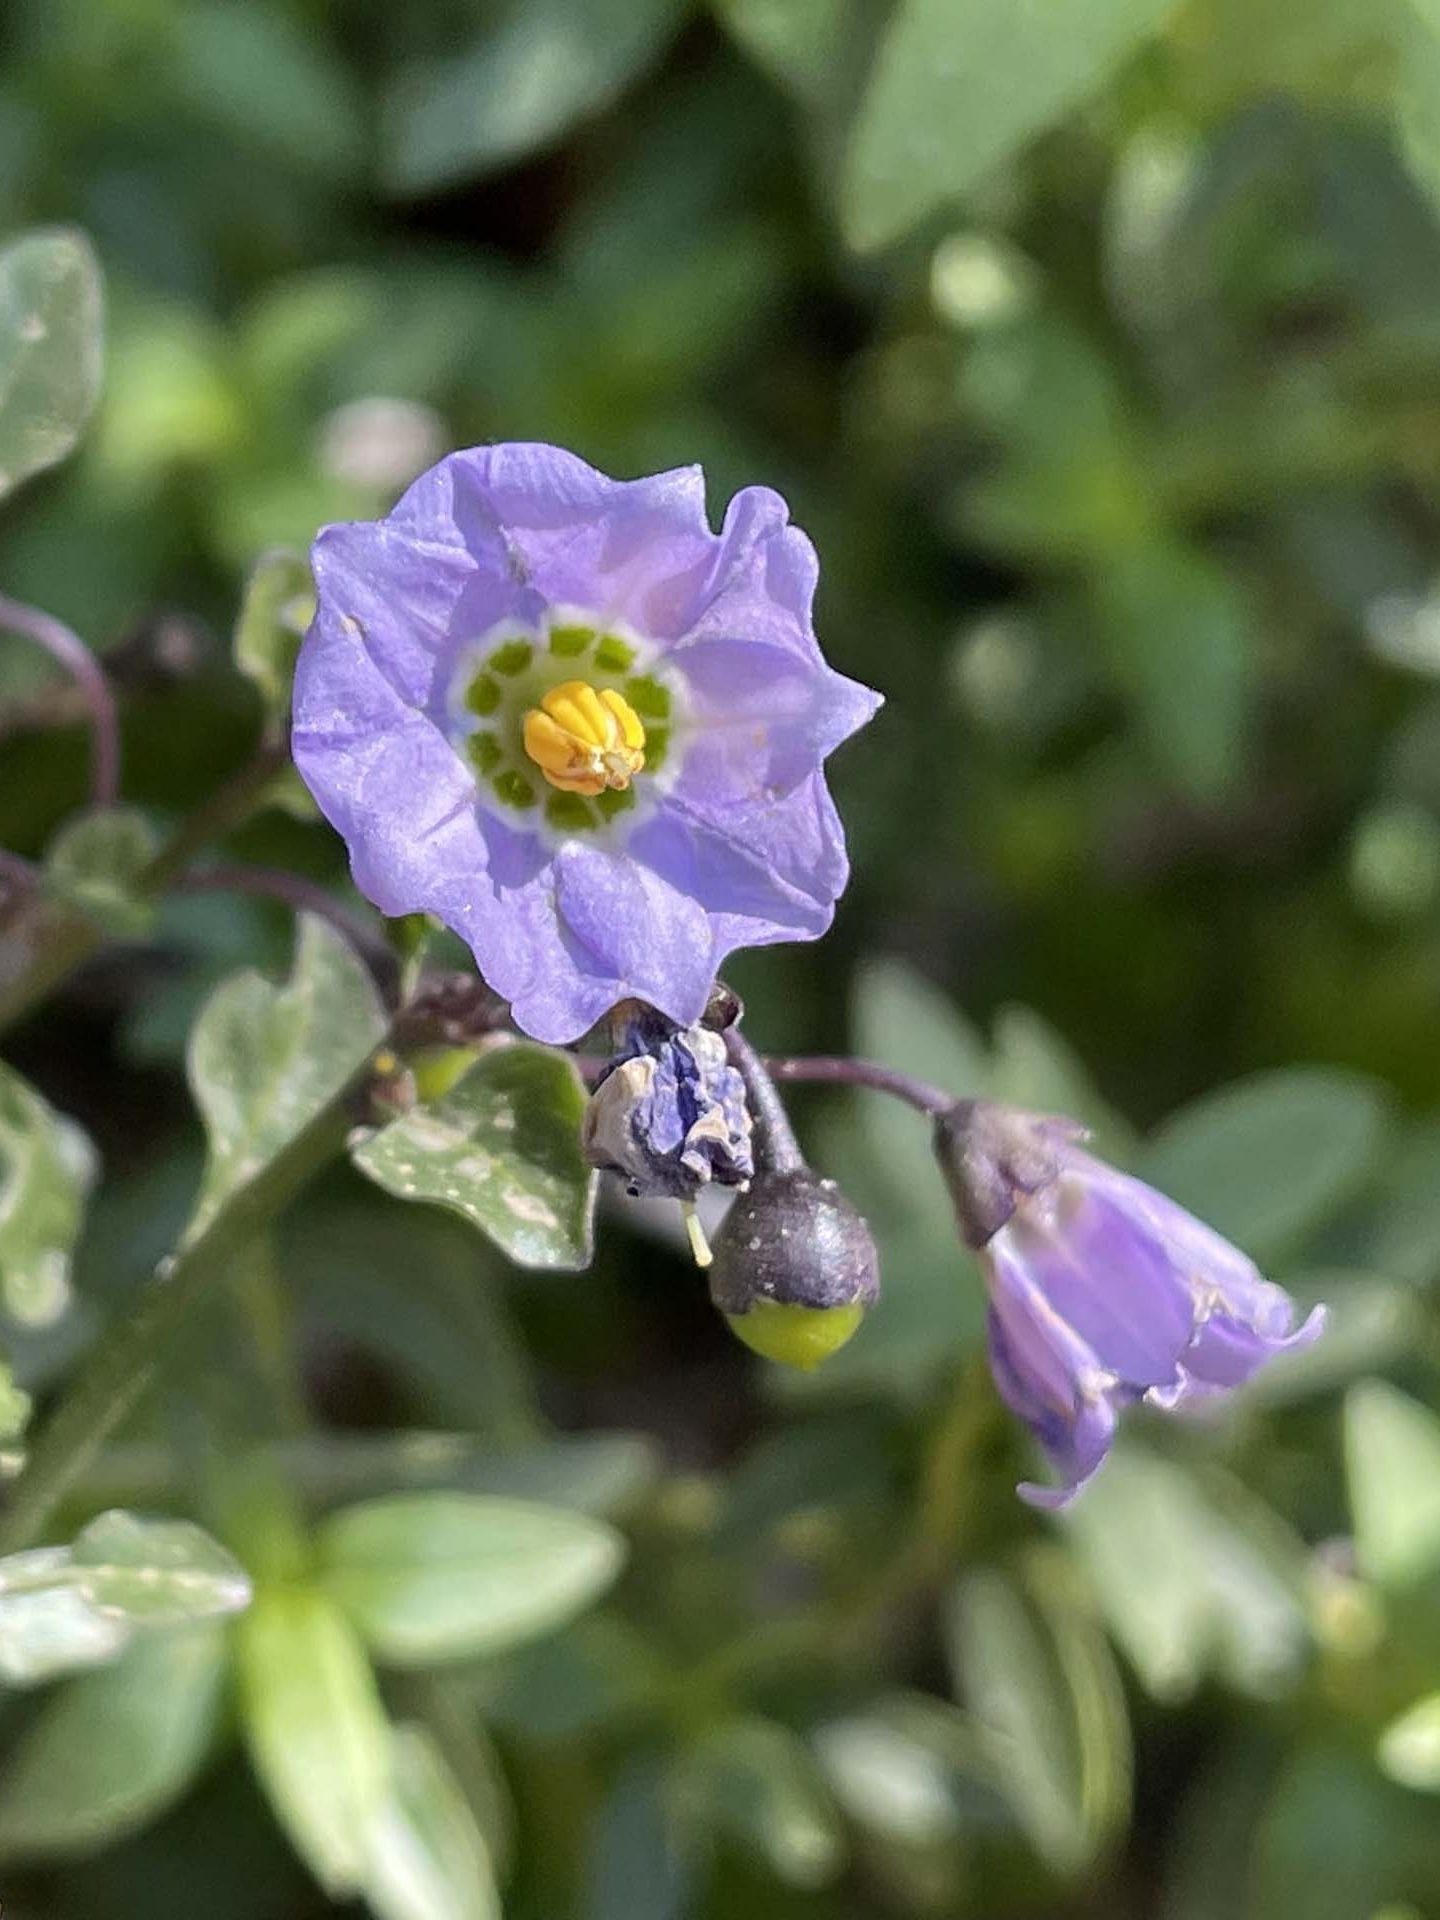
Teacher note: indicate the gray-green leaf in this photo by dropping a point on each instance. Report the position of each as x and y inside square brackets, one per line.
[47, 1167]
[544, 64]
[501, 1148]
[429, 1860]
[264, 1059]
[317, 1733]
[156, 1573]
[446, 1576]
[51, 322]
[1038, 1678]
[112, 1750]
[278, 605]
[1392, 1462]
[1270, 1159]
[67, 1608]
[960, 85]
[95, 865]
[757, 1782]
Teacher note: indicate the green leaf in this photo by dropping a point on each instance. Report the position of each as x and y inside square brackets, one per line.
[756, 1781]
[1269, 1160]
[95, 865]
[63, 1608]
[1187, 1588]
[1392, 1463]
[1409, 1748]
[1181, 643]
[264, 1059]
[47, 1626]
[543, 65]
[960, 85]
[47, 1168]
[594, 1674]
[502, 1149]
[111, 1751]
[50, 349]
[446, 1576]
[1406, 1244]
[156, 1573]
[316, 1731]
[803, 43]
[278, 605]
[429, 1860]
[1038, 1679]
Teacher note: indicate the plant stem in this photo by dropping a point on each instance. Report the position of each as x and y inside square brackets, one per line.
[120, 1369]
[777, 1149]
[89, 677]
[838, 1070]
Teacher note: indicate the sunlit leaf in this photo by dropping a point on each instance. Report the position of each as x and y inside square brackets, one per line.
[113, 1749]
[316, 1731]
[156, 1573]
[1392, 1462]
[47, 1167]
[50, 349]
[445, 1576]
[428, 1857]
[1184, 1587]
[264, 1059]
[502, 1149]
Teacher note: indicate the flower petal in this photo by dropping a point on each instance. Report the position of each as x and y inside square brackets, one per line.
[632, 934]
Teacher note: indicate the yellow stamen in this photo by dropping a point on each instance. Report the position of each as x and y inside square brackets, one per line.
[699, 1245]
[584, 741]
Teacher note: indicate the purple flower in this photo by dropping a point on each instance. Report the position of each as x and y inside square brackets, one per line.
[559, 713]
[1102, 1291]
[669, 1113]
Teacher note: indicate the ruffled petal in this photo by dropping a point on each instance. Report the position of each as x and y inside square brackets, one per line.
[631, 934]
[624, 549]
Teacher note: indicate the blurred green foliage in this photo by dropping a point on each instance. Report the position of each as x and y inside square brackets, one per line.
[1097, 345]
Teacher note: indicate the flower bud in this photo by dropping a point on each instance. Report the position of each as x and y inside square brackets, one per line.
[795, 1267]
[669, 1113]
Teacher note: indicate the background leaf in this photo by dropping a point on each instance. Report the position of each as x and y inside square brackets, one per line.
[50, 349]
[110, 1751]
[47, 1167]
[316, 1732]
[960, 84]
[95, 864]
[432, 1577]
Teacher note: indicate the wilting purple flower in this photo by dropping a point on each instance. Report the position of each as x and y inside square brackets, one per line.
[586, 732]
[1102, 1291]
[669, 1113]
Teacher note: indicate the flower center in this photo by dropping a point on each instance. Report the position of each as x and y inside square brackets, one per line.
[585, 740]
[557, 719]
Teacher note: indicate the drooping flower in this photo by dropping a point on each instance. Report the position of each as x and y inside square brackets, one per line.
[561, 714]
[1102, 1291]
[669, 1113]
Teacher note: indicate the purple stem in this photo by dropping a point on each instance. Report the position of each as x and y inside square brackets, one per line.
[89, 676]
[302, 896]
[777, 1149]
[836, 1070]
